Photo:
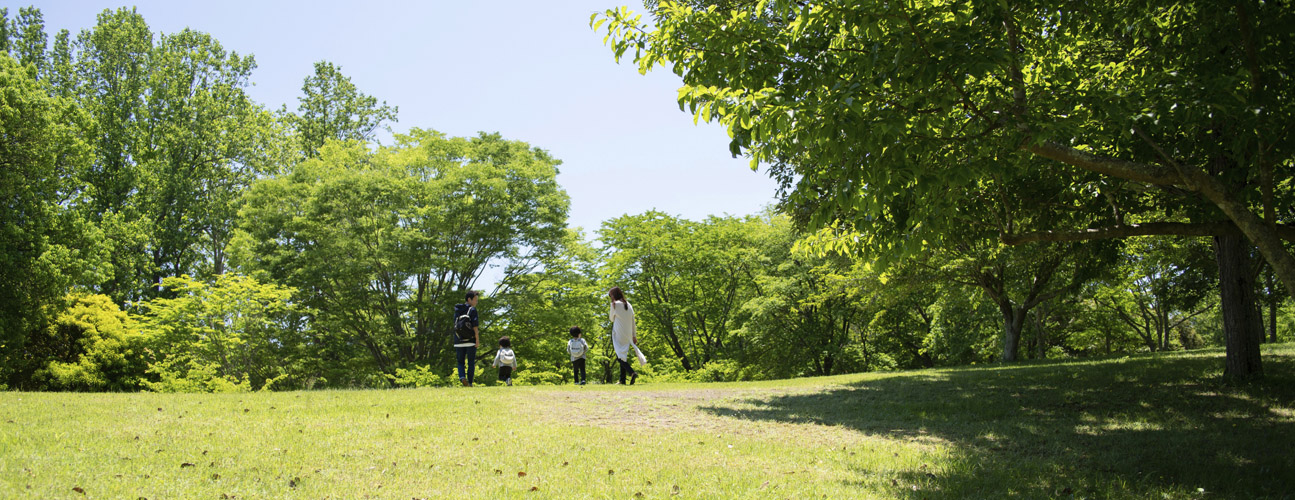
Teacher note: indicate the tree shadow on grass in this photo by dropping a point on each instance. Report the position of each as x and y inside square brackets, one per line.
[1137, 427]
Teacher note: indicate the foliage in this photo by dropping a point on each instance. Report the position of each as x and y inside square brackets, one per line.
[686, 279]
[44, 248]
[382, 244]
[418, 376]
[536, 306]
[92, 345]
[233, 333]
[331, 107]
[879, 116]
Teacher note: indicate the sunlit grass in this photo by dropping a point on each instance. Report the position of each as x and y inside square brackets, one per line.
[1156, 426]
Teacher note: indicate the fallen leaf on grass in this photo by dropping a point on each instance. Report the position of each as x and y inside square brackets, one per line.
[611, 471]
[535, 488]
[78, 490]
[564, 464]
[499, 472]
[521, 474]
[186, 464]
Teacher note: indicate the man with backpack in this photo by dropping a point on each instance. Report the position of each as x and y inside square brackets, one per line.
[466, 337]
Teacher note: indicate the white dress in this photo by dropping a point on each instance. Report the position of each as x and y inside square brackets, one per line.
[622, 316]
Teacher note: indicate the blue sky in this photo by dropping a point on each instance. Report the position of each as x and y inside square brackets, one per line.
[533, 71]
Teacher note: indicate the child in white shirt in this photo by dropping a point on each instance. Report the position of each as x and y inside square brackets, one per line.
[505, 360]
[577, 348]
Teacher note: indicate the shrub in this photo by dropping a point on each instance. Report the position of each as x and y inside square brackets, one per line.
[95, 346]
[538, 377]
[191, 375]
[418, 376]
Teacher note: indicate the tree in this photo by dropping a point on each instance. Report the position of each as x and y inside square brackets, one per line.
[201, 142]
[382, 244]
[45, 249]
[686, 278]
[333, 108]
[872, 105]
[537, 303]
[111, 75]
[1163, 286]
[29, 38]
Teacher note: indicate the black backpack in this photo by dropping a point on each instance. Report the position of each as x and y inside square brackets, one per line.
[463, 328]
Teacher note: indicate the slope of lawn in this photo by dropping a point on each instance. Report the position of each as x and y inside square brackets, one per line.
[1153, 426]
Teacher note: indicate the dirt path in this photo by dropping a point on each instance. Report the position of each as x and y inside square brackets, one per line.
[719, 411]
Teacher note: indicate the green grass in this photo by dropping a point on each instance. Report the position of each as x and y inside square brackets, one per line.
[1160, 426]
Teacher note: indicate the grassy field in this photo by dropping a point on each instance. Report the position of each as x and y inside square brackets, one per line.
[1159, 426]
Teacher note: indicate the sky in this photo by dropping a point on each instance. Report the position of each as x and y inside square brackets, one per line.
[532, 71]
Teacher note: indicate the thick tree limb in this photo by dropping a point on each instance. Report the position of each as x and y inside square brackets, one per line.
[1252, 226]
[1113, 167]
[1220, 228]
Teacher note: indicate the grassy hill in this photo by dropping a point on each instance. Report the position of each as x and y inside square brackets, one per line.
[1155, 426]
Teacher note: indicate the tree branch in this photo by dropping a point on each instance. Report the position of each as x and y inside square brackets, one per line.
[1221, 228]
[1113, 167]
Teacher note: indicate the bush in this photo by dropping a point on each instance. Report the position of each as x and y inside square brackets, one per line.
[418, 376]
[95, 346]
[723, 370]
[537, 377]
[193, 376]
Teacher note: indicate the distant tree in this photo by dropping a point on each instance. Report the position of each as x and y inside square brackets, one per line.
[331, 107]
[201, 138]
[382, 244]
[686, 279]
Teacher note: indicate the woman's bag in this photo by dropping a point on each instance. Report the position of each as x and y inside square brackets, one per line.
[639, 354]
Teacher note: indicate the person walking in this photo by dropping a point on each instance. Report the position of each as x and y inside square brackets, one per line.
[577, 348]
[467, 337]
[624, 332]
[506, 361]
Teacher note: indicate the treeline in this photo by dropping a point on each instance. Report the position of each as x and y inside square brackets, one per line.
[162, 231]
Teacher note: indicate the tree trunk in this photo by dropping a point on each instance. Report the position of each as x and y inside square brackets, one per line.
[1272, 307]
[1242, 326]
[1013, 321]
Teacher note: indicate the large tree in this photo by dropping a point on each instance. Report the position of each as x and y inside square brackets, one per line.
[45, 249]
[382, 244]
[201, 142]
[1179, 109]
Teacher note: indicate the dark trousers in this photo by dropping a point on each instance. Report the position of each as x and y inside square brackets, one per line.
[626, 369]
[578, 366]
[468, 356]
[505, 373]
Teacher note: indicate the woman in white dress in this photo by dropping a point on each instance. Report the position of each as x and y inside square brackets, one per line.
[624, 333]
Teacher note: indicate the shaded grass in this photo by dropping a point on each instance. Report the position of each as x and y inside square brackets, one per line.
[1150, 426]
